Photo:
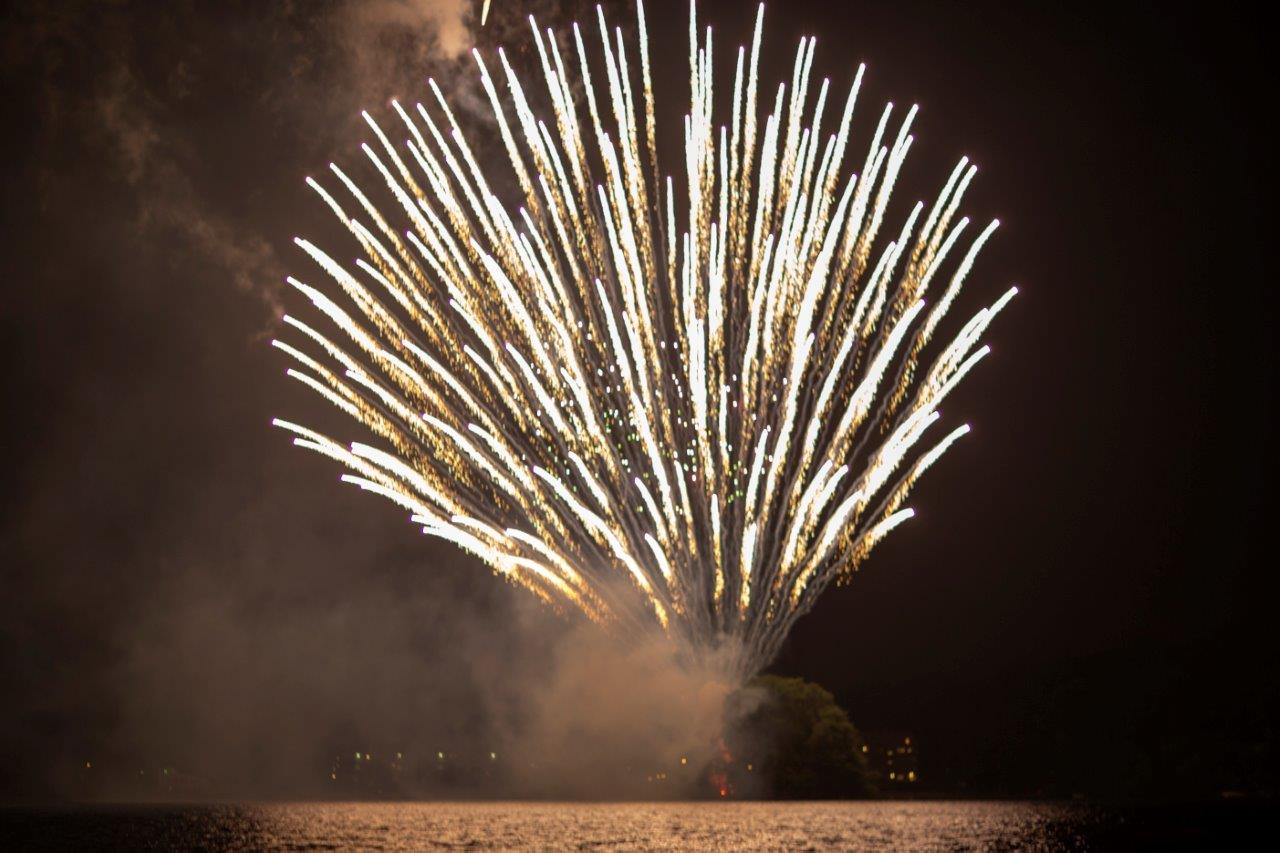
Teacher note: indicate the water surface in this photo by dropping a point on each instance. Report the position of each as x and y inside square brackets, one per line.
[915, 825]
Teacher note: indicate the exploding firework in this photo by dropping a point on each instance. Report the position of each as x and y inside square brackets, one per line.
[672, 403]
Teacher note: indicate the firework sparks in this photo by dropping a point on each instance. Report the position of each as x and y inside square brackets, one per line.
[679, 403]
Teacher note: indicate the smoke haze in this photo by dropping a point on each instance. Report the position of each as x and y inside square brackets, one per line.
[181, 589]
[1079, 608]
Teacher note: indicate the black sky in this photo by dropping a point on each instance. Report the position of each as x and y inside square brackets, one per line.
[1083, 602]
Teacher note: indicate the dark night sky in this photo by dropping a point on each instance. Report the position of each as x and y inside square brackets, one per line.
[1079, 605]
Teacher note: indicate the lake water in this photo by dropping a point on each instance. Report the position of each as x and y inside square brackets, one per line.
[917, 825]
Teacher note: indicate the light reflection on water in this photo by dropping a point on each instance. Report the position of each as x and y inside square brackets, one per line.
[942, 825]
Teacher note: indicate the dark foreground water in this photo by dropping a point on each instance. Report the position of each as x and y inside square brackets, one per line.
[639, 826]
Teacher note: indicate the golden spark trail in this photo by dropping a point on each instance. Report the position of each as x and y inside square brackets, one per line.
[680, 402]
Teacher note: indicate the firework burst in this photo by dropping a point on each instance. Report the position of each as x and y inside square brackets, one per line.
[675, 403]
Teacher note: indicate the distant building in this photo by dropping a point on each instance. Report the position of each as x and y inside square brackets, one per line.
[362, 773]
[125, 779]
[894, 758]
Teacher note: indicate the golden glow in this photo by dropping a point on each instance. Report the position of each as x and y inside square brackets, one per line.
[683, 402]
